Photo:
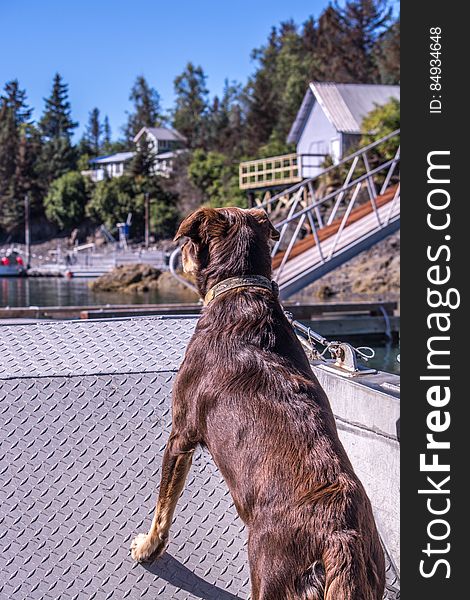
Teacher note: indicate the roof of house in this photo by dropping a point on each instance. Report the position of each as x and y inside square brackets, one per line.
[344, 104]
[119, 157]
[161, 133]
[171, 154]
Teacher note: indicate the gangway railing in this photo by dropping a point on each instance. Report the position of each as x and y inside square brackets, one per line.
[325, 220]
[317, 224]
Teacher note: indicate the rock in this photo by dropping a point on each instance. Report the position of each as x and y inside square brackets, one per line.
[374, 275]
[167, 283]
[325, 291]
[139, 278]
[128, 278]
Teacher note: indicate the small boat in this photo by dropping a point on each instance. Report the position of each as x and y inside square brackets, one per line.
[12, 264]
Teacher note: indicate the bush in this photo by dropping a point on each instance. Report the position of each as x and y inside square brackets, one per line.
[113, 199]
[66, 200]
[378, 123]
[216, 178]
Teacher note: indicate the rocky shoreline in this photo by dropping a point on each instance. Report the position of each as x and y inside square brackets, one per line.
[140, 278]
[373, 275]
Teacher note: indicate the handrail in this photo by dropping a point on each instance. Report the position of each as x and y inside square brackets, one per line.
[336, 192]
[320, 225]
[329, 169]
[172, 263]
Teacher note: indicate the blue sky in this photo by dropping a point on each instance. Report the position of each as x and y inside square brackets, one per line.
[99, 47]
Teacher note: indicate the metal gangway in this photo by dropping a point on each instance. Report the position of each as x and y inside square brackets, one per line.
[326, 220]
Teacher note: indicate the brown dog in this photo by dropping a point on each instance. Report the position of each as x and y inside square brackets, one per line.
[245, 390]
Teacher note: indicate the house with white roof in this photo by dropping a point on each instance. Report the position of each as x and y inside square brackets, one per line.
[328, 123]
[112, 165]
[330, 118]
[166, 143]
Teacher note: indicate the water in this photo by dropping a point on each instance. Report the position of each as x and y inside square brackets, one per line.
[58, 291]
[386, 352]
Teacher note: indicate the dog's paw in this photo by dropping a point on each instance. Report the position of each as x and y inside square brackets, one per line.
[142, 549]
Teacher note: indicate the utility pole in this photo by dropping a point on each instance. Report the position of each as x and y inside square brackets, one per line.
[147, 218]
[27, 231]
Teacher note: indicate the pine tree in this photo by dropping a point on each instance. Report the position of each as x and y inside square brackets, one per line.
[387, 54]
[106, 134]
[56, 121]
[147, 110]
[56, 126]
[19, 148]
[94, 132]
[261, 95]
[225, 127]
[362, 22]
[190, 115]
[143, 163]
[332, 50]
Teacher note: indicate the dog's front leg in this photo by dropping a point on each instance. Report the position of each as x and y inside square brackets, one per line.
[175, 468]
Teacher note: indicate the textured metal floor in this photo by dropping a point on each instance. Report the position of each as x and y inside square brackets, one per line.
[85, 414]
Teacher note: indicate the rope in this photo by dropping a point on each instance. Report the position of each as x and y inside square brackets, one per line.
[333, 347]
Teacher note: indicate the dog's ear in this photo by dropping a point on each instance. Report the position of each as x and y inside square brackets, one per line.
[260, 215]
[202, 225]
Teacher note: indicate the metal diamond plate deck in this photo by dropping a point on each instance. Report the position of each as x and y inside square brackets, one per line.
[81, 447]
[93, 347]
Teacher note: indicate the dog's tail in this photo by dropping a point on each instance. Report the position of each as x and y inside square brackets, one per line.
[311, 585]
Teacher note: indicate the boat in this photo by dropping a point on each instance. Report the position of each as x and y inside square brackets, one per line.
[12, 264]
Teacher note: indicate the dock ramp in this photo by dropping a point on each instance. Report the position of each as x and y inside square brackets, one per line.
[85, 408]
[328, 219]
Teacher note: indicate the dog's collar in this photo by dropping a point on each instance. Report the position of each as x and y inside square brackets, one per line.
[250, 281]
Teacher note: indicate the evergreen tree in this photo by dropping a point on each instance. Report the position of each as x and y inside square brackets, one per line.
[147, 110]
[362, 22]
[56, 126]
[143, 163]
[190, 115]
[19, 148]
[332, 48]
[56, 121]
[387, 54]
[261, 95]
[285, 66]
[295, 67]
[225, 126]
[94, 132]
[106, 134]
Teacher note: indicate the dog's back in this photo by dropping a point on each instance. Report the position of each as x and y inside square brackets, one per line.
[269, 427]
[246, 391]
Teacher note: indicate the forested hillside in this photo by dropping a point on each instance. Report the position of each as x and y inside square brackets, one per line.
[355, 41]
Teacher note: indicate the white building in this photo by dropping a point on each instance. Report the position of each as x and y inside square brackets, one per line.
[330, 118]
[162, 139]
[113, 165]
[166, 143]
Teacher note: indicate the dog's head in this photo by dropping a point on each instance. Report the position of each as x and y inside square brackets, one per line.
[226, 242]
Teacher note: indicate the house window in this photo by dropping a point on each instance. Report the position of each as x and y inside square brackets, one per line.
[335, 147]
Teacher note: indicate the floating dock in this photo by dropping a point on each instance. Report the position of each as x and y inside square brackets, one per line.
[86, 413]
[328, 318]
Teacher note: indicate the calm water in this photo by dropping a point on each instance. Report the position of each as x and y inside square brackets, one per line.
[41, 291]
[59, 291]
